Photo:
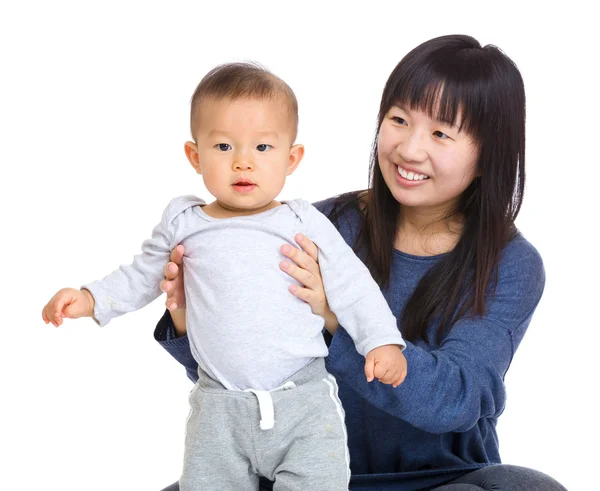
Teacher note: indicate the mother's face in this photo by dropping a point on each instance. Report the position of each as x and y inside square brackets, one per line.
[425, 163]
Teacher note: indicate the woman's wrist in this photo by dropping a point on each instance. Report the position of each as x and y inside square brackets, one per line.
[331, 322]
[179, 325]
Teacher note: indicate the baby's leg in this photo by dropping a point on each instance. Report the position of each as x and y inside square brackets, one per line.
[307, 449]
[217, 448]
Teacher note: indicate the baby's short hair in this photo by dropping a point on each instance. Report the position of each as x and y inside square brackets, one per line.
[243, 80]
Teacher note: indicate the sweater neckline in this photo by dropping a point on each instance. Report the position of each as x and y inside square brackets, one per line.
[413, 257]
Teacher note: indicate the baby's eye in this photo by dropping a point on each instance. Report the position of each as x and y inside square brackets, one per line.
[441, 135]
[224, 147]
[263, 147]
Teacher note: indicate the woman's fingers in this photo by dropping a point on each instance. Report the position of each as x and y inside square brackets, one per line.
[170, 271]
[172, 284]
[308, 246]
[309, 295]
[301, 275]
[177, 255]
[301, 259]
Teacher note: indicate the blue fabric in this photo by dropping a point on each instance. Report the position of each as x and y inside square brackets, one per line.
[441, 422]
[490, 478]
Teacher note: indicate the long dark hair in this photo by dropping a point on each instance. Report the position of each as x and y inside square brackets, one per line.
[445, 76]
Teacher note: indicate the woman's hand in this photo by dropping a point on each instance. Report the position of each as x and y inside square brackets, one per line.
[172, 285]
[305, 270]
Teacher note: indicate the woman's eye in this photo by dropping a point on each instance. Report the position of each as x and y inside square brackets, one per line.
[224, 147]
[441, 135]
[263, 147]
[399, 120]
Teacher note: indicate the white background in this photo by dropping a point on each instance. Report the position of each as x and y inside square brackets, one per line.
[94, 102]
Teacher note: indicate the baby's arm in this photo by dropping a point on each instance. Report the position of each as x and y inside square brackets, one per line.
[357, 301]
[133, 286]
[126, 289]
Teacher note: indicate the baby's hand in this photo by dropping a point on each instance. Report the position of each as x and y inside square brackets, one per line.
[70, 303]
[386, 364]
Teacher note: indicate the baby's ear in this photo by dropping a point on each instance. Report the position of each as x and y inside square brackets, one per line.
[296, 154]
[191, 152]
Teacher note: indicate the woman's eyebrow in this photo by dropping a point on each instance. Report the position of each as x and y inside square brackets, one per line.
[455, 125]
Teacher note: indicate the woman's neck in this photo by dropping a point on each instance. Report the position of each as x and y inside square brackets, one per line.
[427, 232]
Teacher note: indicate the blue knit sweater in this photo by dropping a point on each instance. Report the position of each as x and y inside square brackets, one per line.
[441, 422]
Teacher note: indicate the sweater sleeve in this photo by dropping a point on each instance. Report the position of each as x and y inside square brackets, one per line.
[177, 347]
[452, 386]
[352, 293]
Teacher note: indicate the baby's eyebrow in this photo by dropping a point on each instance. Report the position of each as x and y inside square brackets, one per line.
[219, 132]
[260, 134]
[270, 134]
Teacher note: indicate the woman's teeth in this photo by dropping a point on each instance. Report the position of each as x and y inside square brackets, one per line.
[411, 176]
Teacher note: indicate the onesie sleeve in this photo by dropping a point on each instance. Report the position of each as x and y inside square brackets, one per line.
[135, 285]
[353, 295]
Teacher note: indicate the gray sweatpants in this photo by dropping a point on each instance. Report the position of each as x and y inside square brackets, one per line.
[294, 435]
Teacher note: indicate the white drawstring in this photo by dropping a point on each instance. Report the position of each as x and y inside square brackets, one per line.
[265, 404]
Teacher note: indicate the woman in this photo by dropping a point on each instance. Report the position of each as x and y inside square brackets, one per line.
[436, 229]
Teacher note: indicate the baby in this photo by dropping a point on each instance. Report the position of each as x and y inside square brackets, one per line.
[264, 403]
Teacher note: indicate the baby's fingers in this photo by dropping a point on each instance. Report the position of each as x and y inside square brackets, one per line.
[44, 317]
[402, 375]
[50, 315]
[55, 310]
[381, 372]
[58, 315]
[370, 368]
[399, 379]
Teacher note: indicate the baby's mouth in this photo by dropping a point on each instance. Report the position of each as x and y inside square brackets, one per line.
[243, 185]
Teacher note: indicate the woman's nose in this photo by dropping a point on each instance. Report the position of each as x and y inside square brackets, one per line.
[413, 147]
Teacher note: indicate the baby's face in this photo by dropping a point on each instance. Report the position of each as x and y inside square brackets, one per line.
[245, 151]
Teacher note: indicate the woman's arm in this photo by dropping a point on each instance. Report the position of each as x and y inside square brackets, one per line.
[172, 285]
[177, 347]
[452, 386]
[170, 331]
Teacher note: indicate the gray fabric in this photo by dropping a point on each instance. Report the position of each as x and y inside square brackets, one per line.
[245, 328]
[175, 487]
[503, 478]
[306, 449]
[499, 477]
